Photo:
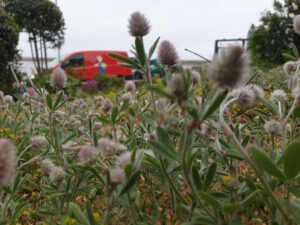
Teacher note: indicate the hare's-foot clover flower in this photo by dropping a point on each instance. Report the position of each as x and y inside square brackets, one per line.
[139, 25]
[167, 54]
[117, 175]
[58, 78]
[230, 68]
[88, 154]
[7, 161]
[272, 127]
[39, 142]
[129, 86]
[278, 96]
[296, 24]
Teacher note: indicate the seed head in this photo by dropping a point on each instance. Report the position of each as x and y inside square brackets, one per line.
[139, 25]
[196, 77]
[245, 96]
[7, 161]
[87, 154]
[39, 142]
[230, 69]
[107, 147]
[296, 24]
[167, 54]
[117, 175]
[57, 174]
[106, 105]
[97, 125]
[178, 88]
[272, 127]
[124, 159]
[259, 92]
[290, 67]
[46, 166]
[58, 79]
[278, 96]
[126, 98]
[129, 86]
[8, 100]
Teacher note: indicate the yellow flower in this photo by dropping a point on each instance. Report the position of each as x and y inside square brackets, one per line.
[226, 179]
[69, 221]
[25, 213]
[97, 217]
[198, 92]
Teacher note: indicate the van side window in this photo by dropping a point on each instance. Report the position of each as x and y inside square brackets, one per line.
[74, 61]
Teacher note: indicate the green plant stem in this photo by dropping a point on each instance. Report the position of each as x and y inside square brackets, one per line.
[170, 180]
[131, 209]
[252, 164]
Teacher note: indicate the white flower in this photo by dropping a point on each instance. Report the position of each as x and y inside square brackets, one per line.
[39, 142]
[88, 154]
[117, 175]
[259, 92]
[245, 96]
[278, 96]
[124, 159]
[107, 147]
[272, 127]
[129, 86]
[57, 174]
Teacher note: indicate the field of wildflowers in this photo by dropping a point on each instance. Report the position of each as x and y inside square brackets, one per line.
[185, 149]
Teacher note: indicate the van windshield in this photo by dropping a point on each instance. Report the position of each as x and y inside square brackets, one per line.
[55, 61]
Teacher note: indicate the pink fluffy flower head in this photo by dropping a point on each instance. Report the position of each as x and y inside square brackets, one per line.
[7, 161]
[296, 24]
[167, 54]
[139, 25]
[230, 68]
[58, 78]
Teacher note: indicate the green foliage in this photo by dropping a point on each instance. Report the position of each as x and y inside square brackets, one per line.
[273, 37]
[9, 37]
[109, 83]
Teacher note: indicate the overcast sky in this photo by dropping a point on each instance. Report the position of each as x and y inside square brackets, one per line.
[192, 24]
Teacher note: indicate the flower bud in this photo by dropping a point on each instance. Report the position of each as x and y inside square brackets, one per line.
[230, 68]
[138, 25]
[7, 161]
[39, 142]
[117, 175]
[167, 54]
[296, 24]
[58, 79]
[272, 127]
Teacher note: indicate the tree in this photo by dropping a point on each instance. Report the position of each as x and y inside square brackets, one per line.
[273, 37]
[9, 38]
[44, 23]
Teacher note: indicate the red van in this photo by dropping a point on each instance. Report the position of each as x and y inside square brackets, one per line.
[85, 65]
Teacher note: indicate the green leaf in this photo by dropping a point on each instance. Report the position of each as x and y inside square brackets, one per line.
[126, 60]
[196, 177]
[297, 112]
[215, 104]
[49, 102]
[158, 90]
[210, 175]
[16, 183]
[139, 46]
[291, 158]
[131, 182]
[211, 200]
[164, 138]
[295, 50]
[58, 99]
[266, 164]
[153, 47]
[162, 150]
[89, 213]
[114, 114]
[79, 214]
[250, 198]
